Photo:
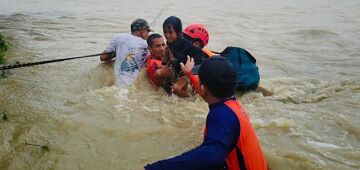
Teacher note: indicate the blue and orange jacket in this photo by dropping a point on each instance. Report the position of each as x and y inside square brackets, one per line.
[229, 142]
[247, 153]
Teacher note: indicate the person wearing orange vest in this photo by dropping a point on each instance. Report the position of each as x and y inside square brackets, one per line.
[229, 141]
[156, 47]
[199, 36]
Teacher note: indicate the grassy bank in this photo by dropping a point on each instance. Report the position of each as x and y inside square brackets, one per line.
[4, 46]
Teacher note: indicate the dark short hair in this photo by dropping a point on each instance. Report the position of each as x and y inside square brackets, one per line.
[151, 38]
[139, 24]
[218, 75]
[173, 22]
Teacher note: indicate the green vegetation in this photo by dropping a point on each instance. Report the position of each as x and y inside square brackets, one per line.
[4, 46]
[3, 116]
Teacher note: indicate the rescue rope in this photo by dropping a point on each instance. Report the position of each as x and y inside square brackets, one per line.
[156, 17]
[47, 61]
[18, 65]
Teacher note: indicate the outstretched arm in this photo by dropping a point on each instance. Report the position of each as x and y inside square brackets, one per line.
[222, 127]
[107, 56]
[110, 51]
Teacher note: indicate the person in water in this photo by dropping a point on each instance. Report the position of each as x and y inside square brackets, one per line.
[199, 36]
[156, 47]
[229, 140]
[131, 52]
[179, 47]
[178, 50]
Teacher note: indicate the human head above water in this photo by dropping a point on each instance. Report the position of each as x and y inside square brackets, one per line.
[197, 34]
[218, 76]
[172, 28]
[140, 27]
[150, 39]
[156, 45]
[139, 24]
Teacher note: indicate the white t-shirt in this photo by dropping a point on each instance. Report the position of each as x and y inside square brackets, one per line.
[131, 52]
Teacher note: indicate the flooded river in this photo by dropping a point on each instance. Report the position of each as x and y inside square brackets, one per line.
[306, 114]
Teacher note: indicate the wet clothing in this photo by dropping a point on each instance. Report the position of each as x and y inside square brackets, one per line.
[181, 48]
[152, 65]
[247, 153]
[222, 134]
[131, 54]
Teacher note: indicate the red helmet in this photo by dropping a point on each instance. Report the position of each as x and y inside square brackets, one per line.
[197, 31]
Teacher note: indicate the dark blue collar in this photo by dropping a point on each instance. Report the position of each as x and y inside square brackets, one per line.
[221, 101]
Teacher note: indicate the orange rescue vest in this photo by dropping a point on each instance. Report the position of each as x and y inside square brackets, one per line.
[208, 52]
[247, 153]
[152, 65]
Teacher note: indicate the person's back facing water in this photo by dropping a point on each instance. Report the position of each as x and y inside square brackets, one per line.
[229, 141]
[131, 51]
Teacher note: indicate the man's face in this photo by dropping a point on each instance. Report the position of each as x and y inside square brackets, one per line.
[157, 49]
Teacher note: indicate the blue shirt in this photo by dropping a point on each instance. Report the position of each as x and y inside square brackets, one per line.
[223, 129]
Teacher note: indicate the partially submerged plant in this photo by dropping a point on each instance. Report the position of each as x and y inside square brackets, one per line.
[45, 148]
[42, 147]
[3, 74]
[3, 116]
[4, 46]
[2, 59]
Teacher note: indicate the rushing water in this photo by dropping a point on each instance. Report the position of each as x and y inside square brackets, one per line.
[306, 112]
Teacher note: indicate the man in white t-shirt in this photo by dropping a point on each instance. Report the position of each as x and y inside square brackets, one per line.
[131, 52]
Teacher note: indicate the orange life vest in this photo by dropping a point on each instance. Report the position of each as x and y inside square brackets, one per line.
[208, 52]
[247, 153]
[152, 65]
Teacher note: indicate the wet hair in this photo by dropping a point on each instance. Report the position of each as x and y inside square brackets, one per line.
[173, 22]
[151, 38]
[218, 75]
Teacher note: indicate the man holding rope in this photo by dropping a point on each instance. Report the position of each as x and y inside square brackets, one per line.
[131, 52]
